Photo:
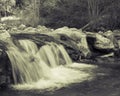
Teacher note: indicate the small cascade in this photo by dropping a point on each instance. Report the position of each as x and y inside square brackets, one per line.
[48, 67]
[25, 69]
[32, 64]
[48, 56]
[54, 55]
[29, 46]
[65, 55]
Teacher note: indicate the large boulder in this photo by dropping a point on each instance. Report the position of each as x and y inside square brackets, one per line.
[77, 36]
[102, 43]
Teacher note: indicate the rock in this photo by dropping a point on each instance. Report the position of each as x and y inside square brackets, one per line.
[9, 18]
[22, 27]
[99, 44]
[109, 34]
[119, 43]
[108, 55]
[77, 36]
[2, 26]
[2, 79]
[43, 29]
[12, 2]
[30, 30]
[103, 42]
[5, 70]
[14, 30]
[108, 43]
[5, 66]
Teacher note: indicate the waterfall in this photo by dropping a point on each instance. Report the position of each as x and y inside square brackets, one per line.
[29, 46]
[48, 67]
[26, 69]
[33, 63]
[54, 55]
[65, 55]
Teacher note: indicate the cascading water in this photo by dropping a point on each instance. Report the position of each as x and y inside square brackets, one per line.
[26, 69]
[29, 46]
[65, 55]
[30, 65]
[44, 68]
[54, 55]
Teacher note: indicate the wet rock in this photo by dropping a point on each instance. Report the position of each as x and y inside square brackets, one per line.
[30, 30]
[5, 70]
[43, 29]
[110, 35]
[77, 36]
[2, 26]
[103, 42]
[99, 44]
[2, 79]
[22, 27]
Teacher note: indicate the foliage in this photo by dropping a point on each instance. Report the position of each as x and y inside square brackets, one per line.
[6, 7]
[78, 13]
[71, 13]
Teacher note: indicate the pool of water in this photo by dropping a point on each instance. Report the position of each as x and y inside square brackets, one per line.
[104, 82]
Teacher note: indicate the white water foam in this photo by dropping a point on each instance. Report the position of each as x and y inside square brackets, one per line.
[61, 76]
